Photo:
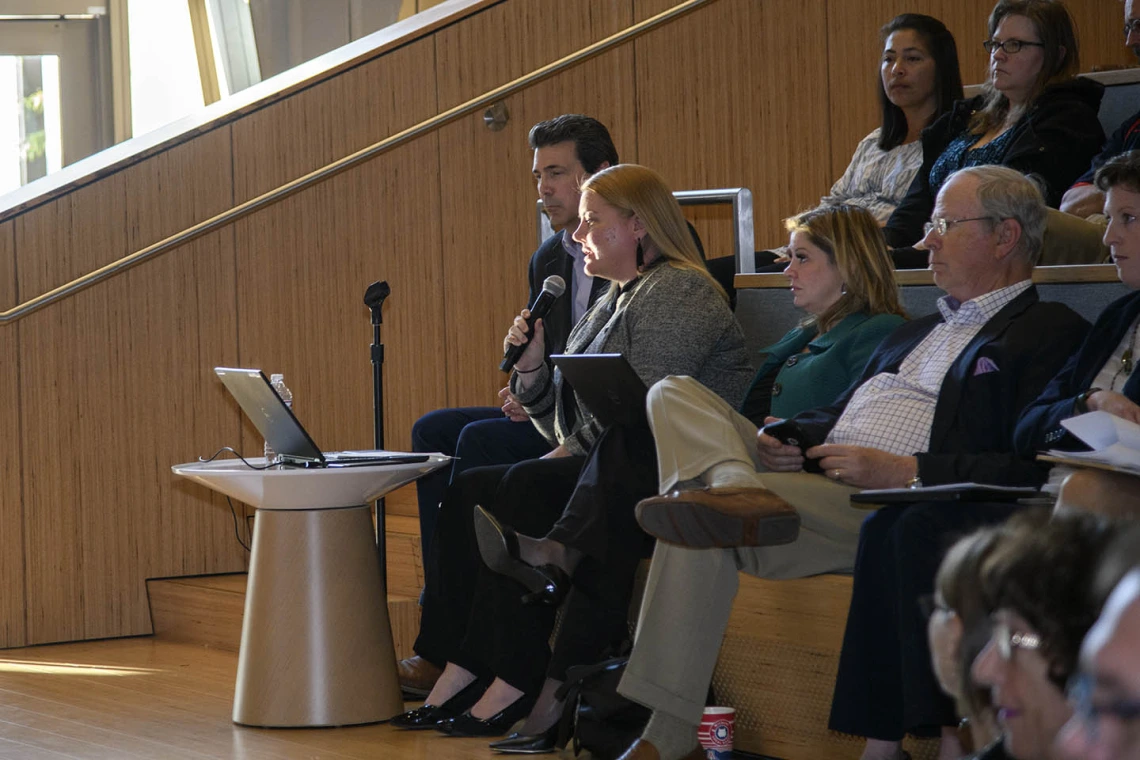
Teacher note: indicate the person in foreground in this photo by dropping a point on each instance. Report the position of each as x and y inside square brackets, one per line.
[1035, 115]
[1039, 586]
[665, 314]
[1105, 694]
[905, 421]
[958, 627]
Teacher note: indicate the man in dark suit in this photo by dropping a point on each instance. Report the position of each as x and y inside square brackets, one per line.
[937, 404]
[567, 150]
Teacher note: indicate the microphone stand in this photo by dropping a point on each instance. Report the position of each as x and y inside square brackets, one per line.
[374, 299]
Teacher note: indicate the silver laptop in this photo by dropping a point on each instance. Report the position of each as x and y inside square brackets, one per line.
[276, 423]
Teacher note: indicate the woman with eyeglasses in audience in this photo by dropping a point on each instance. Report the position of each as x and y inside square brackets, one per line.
[1034, 115]
[1039, 586]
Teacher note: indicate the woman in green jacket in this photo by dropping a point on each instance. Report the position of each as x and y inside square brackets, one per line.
[842, 276]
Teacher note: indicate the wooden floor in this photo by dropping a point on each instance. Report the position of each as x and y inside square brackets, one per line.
[156, 699]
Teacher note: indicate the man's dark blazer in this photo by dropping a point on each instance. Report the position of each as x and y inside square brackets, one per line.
[552, 258]
[999, 373]
[1040, 426]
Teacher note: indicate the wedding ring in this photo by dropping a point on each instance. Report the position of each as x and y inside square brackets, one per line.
[835, 474]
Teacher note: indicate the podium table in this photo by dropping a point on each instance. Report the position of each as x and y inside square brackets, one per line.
[316, 644]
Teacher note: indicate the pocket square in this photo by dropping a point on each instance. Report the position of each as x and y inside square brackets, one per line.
[984, 366]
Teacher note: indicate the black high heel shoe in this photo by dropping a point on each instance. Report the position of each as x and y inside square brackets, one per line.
[499, 547]
[528, 744]
[497, 725]
[429, 716]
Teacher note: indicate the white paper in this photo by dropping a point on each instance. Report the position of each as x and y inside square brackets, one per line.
[1100, 430]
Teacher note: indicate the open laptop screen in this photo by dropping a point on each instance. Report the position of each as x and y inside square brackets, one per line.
[269, 414]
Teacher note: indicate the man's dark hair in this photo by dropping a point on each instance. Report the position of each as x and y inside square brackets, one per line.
[592, 142]
[1122, 170]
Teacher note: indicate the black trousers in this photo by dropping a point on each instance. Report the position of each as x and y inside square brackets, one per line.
[598, 520]
[885, 686]
[511, 641]
[528, 496]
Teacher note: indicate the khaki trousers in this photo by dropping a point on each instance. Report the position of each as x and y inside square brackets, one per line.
[689, 593]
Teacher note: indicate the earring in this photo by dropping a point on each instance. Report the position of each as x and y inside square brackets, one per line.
[640, 255]
[843, 289]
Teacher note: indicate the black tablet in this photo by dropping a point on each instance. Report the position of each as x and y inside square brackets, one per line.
[607, 385]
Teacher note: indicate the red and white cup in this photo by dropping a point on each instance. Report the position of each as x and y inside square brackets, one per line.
[715, 732]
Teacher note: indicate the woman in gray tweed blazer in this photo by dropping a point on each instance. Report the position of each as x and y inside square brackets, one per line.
[668, 316]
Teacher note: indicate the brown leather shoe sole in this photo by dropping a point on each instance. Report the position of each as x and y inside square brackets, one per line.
[417, 676]
[720, 517]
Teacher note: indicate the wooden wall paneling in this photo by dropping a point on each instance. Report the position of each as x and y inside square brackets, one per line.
[487, 208]
[332, 119]
[12, 624]
[324, 247]
[71, 432]
[729, 114]
[853, 49]
[515, 37]
[303, 266]
[182, 323]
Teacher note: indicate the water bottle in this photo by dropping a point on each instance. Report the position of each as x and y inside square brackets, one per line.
[277, 380]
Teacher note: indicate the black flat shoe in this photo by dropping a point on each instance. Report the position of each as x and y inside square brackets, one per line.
[429, 716]
[497, 725]
[529, 744]
[499, 547]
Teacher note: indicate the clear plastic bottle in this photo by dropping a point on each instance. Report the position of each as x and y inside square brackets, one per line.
[277, 380]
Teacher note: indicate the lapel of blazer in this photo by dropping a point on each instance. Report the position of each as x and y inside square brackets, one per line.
[950, 395]
[1110, 340]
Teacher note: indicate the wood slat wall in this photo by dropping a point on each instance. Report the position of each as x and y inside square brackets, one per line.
[12, 629]
[108, 388]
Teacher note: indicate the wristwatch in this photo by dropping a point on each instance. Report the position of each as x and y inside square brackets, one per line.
[1081, 405]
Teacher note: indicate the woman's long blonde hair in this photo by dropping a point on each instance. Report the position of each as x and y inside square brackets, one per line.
[853, 240]
[636, 190]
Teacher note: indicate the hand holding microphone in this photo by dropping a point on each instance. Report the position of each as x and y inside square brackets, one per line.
[524, 339]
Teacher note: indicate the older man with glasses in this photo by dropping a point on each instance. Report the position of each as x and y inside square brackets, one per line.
[936, 404]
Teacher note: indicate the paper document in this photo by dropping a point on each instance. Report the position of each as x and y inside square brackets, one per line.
[1115, 441]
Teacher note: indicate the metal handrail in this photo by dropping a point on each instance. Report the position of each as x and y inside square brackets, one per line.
[743, 235]
[365, 154]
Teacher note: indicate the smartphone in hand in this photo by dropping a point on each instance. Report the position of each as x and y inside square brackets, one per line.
[790, 433]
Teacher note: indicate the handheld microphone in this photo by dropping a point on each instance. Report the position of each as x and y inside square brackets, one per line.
[552, 287]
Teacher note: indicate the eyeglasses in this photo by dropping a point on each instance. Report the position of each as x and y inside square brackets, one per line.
[1007, 641]
[1009, 46]
[1079, 693]
[1131, 25]
[941, 225]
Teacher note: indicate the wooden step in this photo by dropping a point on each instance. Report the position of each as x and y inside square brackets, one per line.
[207, 609]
